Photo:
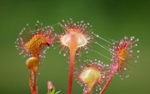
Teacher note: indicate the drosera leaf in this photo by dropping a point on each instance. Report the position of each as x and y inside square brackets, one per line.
[53, 92]
[51, 88]
[58, 92]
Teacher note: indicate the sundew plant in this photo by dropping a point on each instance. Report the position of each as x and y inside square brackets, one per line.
[76, 38]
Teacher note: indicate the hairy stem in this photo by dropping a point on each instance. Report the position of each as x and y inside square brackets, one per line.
[89, 89]
[115, 68]
[106, 85]
[33, 84]
[30, 81]
[72, 57]
[88, 92]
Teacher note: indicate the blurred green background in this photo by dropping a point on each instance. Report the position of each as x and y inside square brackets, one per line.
[110, 19]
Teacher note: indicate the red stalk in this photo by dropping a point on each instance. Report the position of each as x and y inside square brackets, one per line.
[106, 85]
[72, 57]
[30, 80]
[108, 82]
[33, 85]
[88, 92]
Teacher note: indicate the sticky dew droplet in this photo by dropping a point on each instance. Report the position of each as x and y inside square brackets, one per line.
[127, 76]
[138, 51]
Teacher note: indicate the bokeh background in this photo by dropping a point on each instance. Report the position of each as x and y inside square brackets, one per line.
[112, 19]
